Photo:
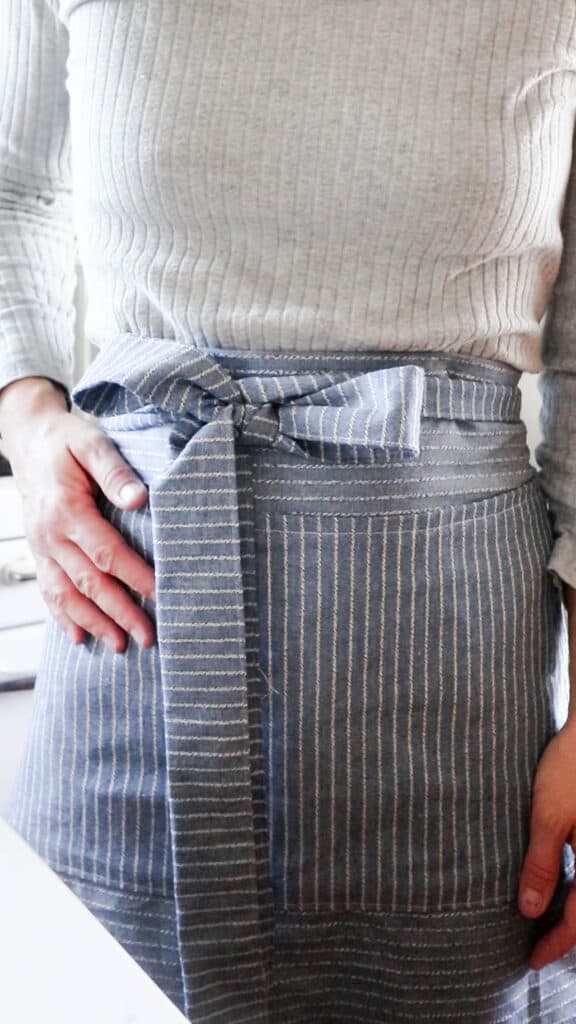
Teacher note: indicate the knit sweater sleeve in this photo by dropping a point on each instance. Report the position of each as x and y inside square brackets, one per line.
[37, 236]
[556, 453]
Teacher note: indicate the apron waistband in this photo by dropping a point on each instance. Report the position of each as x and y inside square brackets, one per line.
[379, 386]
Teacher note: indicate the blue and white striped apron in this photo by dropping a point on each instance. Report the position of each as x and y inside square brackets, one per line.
[310, 800]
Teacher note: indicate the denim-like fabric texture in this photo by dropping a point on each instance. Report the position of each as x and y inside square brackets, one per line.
[315, 789]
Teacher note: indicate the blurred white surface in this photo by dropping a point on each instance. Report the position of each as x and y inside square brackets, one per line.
[22, 610]
[531, 405]
[11, 523]
[15, 713]
[58, 964]
[22, 624]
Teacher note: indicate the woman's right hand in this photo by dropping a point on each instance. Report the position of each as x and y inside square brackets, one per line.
[60, 461]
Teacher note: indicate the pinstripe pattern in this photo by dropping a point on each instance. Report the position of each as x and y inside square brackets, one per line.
[318, 782]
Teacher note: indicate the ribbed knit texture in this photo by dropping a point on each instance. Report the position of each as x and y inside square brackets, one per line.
[305, 176]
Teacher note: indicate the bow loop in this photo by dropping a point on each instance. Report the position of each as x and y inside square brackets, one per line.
[377, 409]
[380, 410]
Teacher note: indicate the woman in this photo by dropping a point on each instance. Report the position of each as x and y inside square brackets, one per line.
[301, 737]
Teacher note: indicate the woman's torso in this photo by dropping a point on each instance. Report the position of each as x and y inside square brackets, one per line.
[322, 175]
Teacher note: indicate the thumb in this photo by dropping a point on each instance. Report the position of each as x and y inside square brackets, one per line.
[540, 870]
[103, 462]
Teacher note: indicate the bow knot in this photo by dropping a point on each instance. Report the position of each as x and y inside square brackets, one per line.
[256, 423]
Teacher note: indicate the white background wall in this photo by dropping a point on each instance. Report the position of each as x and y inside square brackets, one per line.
[531, 403]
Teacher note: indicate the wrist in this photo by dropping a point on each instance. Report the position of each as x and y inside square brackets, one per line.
[26, 401]
[29, 396]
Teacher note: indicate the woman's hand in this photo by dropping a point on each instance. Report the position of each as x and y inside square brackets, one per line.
[553, 823]
[60, 461]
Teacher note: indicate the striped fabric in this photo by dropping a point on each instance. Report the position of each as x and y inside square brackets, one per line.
[315, 789]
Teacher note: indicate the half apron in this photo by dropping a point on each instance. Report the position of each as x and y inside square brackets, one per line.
[310, 800]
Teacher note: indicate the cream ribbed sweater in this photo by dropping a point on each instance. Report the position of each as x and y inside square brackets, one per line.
[303, 175]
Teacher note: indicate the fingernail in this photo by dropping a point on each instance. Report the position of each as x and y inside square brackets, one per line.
[130, 491]
[531, 901]
[140, 637]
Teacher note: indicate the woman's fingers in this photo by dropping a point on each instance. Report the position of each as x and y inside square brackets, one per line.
[108, 552]
[97, 455]
[541, 867]
[559, 940]
[64, 599]
[114, 607]
[552, 824]
[83, 562]
[74, 631]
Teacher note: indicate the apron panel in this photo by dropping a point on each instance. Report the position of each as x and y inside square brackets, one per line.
[324, 764]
